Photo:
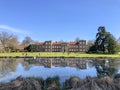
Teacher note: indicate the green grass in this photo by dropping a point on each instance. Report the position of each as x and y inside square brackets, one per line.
[57, 54]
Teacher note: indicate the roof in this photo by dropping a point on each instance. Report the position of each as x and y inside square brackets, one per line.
[56, 43]
[72, 43]
[39, 43]
[21, 47]
[59, 43]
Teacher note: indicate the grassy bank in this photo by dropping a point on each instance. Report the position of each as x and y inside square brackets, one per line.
[57, 54]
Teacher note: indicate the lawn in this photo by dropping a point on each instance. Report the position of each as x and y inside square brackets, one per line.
[56, 54]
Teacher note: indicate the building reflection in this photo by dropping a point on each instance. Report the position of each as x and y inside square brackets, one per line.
[61, 62]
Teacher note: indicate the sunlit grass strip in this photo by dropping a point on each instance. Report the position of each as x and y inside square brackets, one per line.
[56, 54]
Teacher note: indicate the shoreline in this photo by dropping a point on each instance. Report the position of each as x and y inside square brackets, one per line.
[34, 57]
[55, 55]
[53, 83]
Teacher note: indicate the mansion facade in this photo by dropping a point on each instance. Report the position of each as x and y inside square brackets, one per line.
[49, 46]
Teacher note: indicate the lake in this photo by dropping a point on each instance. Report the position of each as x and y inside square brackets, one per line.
[11, 68]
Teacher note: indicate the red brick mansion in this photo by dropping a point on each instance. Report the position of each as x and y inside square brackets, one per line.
[49, 46]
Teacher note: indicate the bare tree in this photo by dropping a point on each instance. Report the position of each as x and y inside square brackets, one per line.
[118, 40]
[77, 39]
[89, 44]
[13, 43]
[7, 40]
[27, 40]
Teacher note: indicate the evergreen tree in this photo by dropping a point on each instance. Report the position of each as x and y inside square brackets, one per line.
[105, 42]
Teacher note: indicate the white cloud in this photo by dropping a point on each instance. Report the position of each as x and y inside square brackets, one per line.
[12, 29]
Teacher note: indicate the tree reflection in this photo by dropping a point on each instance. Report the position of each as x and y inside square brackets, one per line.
[104, 68]
[7, 66]
[26, 65]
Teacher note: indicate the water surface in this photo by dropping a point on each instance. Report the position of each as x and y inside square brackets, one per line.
[11, 68]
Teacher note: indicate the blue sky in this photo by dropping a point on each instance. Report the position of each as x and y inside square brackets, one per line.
[59, 19]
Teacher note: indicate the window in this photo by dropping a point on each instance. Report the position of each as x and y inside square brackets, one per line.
[80, 49]
[84, 50]
[83, 46]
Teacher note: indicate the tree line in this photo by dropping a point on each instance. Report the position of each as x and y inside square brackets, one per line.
[104, 42]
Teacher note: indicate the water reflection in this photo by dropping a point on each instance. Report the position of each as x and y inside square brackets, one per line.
[61, 62]
[7, 66]
[105, 67]
[62, 67]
